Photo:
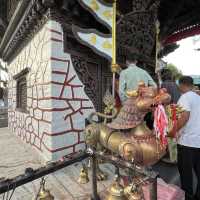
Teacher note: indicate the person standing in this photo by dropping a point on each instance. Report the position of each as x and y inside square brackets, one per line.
[1, 98]
[170, 85]
[130, 77]
[188, 129]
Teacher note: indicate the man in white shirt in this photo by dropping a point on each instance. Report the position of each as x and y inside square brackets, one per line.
[188, 129]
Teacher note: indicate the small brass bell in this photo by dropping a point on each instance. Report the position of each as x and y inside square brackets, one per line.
[43, 193]
[101, 176]
[116, 192]
[133, 193]
[83, 178]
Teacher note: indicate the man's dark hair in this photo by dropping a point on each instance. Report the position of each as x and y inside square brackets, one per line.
[117, 76]
[166, 75]
[131, 57]
[1, 93]
[186, 80]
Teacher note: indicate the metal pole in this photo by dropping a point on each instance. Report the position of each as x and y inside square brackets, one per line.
[94, 178]
[153, 189]
[113, 86]
[120, 163]
[36, 174]
[157, 67]
[114, 65]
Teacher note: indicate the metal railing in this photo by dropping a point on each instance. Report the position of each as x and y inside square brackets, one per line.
[31, 175]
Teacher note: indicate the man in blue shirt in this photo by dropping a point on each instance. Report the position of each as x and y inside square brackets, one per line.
[130, 77]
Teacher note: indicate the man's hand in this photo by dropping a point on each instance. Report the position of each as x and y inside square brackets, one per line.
[172, 132]
[181, 122]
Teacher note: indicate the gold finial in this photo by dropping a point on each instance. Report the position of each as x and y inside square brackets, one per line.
[157, 27]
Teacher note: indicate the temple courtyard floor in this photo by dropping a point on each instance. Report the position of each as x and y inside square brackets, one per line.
[16, 156]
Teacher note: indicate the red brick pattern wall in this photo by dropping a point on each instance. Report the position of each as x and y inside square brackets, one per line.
[56, 102]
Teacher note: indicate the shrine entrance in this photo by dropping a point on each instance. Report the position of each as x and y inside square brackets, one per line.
[92, 69]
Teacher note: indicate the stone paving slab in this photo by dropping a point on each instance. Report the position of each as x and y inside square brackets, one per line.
[3, 117]
[16, 156]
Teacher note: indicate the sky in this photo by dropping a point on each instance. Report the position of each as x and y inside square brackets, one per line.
[185, 57]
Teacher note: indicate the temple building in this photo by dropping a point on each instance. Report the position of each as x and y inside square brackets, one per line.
[55, 82]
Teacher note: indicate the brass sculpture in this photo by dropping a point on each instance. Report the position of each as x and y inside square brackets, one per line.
[127, 135]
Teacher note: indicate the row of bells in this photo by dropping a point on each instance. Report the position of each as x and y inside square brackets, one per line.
[116, 192]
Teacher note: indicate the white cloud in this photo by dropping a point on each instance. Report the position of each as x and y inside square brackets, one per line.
[185, 57]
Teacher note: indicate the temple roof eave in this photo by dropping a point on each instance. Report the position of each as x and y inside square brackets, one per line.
[13, 26]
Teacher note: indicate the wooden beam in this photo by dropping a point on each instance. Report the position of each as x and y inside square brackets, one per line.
[189, 19]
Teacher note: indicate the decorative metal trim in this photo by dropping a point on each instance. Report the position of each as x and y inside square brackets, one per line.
[76, 29]
[95, 15]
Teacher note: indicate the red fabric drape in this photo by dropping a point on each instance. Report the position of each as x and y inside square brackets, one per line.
[195, 30]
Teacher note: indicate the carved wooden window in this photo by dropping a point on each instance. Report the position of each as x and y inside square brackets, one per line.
[21, 90]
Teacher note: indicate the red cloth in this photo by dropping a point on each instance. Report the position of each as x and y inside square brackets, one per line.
[161, 124]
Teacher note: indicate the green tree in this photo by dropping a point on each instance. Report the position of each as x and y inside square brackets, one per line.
[175, 71]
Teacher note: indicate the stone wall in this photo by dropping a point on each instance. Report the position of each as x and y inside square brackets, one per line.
[56, 102]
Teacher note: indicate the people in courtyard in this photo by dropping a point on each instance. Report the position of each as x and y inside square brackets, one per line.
[187, 130]
[5, 95]
[169, 83]
[130, 77]
[1, 98]
[196, 89]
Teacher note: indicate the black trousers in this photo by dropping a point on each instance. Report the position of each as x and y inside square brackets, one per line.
[189, 160]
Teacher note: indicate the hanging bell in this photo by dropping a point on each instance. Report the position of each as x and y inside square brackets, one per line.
[116, 192]
[101, 176]
[133, 193]
[43, 193]
[83, 178]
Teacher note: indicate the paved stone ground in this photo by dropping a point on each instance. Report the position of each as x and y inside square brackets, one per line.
[3, 117]
[16, 156]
